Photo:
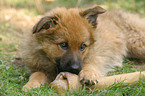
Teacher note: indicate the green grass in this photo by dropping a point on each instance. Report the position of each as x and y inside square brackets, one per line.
[135, 6]
[13, 77]
[137, 89]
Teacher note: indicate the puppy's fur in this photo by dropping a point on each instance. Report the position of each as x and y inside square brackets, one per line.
[87, 42]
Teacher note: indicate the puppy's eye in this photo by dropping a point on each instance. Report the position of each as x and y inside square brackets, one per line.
[64, 45]
[83, 46]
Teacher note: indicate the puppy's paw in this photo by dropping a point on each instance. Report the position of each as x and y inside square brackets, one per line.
[30, 85]
[88, 77]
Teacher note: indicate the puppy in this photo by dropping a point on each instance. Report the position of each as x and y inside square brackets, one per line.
[87, 42]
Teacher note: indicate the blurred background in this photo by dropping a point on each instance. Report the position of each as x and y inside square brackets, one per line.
[42, 6]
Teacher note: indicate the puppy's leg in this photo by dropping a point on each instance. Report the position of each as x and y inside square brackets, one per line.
[90, 73]
[128, 79]
[36, 80]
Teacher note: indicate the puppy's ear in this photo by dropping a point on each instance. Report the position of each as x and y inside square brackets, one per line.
[91, 14]
[45, 23]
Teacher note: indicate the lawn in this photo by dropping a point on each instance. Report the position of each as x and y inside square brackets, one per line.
[18, 17]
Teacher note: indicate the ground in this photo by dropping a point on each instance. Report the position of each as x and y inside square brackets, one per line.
[14, 22]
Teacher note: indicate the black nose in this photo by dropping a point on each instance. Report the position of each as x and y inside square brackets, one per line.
[75, 69]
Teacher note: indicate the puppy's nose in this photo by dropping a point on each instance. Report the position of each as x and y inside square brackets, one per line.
[75, 66]
[75, 69]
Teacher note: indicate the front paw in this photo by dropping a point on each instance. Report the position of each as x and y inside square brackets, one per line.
[88, 77]
[30, 85]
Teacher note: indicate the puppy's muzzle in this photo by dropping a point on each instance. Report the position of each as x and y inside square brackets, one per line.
[69, 64]
[75, 68]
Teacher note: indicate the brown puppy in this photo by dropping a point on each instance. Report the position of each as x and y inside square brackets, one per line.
[84, 42]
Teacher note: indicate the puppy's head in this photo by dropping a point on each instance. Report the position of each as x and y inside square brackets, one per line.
[67, 35]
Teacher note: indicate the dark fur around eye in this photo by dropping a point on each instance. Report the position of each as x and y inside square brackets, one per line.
[64, 45]
[83, 46]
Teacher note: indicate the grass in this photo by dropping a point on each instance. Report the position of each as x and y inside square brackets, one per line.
[135, 6]
[13, 76]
